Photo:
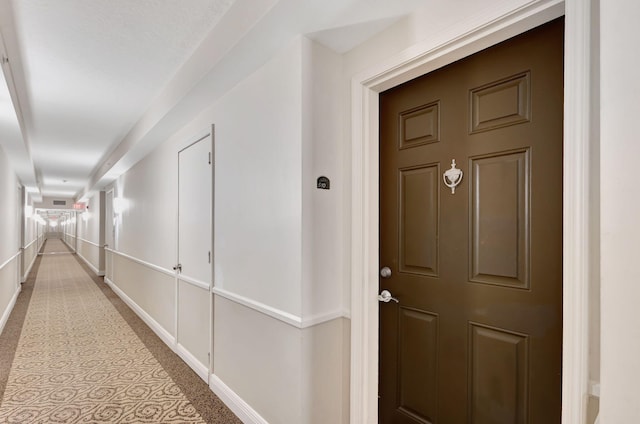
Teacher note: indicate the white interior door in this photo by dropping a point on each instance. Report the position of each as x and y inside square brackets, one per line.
[109, 238]
[195, 189]
[20, 234]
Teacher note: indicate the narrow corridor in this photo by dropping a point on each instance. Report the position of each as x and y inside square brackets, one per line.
[83, 356]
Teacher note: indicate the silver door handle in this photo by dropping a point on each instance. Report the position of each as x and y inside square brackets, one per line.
[385, 272]
[385, 296]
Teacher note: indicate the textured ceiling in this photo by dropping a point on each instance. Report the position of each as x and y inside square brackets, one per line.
[97, 84]
[92, 68]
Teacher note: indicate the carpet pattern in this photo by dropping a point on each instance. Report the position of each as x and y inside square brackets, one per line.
[79, 361]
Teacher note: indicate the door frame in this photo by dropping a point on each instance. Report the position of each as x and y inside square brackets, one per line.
[20, 236]
[420, 59]
[206, 375]
[109, 223]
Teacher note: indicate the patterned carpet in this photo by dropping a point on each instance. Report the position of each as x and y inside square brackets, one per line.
[79, 361]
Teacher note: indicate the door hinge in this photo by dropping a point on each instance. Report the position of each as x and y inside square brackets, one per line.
[209, 256]
[209, 158]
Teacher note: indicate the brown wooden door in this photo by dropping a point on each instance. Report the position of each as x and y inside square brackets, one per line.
[476, 336]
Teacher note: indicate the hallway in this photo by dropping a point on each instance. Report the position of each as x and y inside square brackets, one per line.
[72, 351]
[257, 260]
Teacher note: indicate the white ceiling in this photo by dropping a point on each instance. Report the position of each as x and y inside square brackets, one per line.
[97, 84]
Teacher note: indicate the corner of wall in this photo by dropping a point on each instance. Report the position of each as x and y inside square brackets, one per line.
[322, 218]
[325, 387]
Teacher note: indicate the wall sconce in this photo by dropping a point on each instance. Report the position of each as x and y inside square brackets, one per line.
[119, 205]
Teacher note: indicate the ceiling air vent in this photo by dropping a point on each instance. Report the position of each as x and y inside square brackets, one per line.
[59, 203]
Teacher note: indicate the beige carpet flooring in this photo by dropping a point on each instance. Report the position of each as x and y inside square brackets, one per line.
[78, 360]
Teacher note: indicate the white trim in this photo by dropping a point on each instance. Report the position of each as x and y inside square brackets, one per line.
[11, 259]
[577, 215]
[30, 243]
[68, 245]
[7, 311]
[594, 388]
[422, 58]
[238, 406]
[141, 262]
[194, 282]
[193, 362]
[322, 318]
[212, 246]
[200, 369]
[164, 335]
[286, 317]
[278, 314]
[33, 261]
[90, 265]
[98, 272]
[88, 242]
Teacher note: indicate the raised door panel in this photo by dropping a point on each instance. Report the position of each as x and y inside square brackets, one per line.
[498, 376]
[500, 103]
[419, 215]
[417, 376]
[499, 250]
[420, 125]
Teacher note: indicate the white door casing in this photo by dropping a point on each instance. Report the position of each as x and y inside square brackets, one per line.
[421, 59]
[20, 234]
[109, 232]
[195, 253]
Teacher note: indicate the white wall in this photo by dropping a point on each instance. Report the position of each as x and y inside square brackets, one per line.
[281, 246]
[146, 227]
[278, 254]
[9, 240]
[258, 195]
[47, 203]
[90, 233]
[146, 230]
[435, 24]
[70, 224]
[620, 210]
[323, 222]
[30, 243]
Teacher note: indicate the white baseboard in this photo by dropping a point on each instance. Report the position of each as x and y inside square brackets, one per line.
[234, 402]
[192, 361]
[69, 246]
[164, 335]
[26, 274]
[7, 311]
[92, 266]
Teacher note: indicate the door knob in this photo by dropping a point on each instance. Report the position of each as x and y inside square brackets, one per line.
[385, 296]
[385, 272]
